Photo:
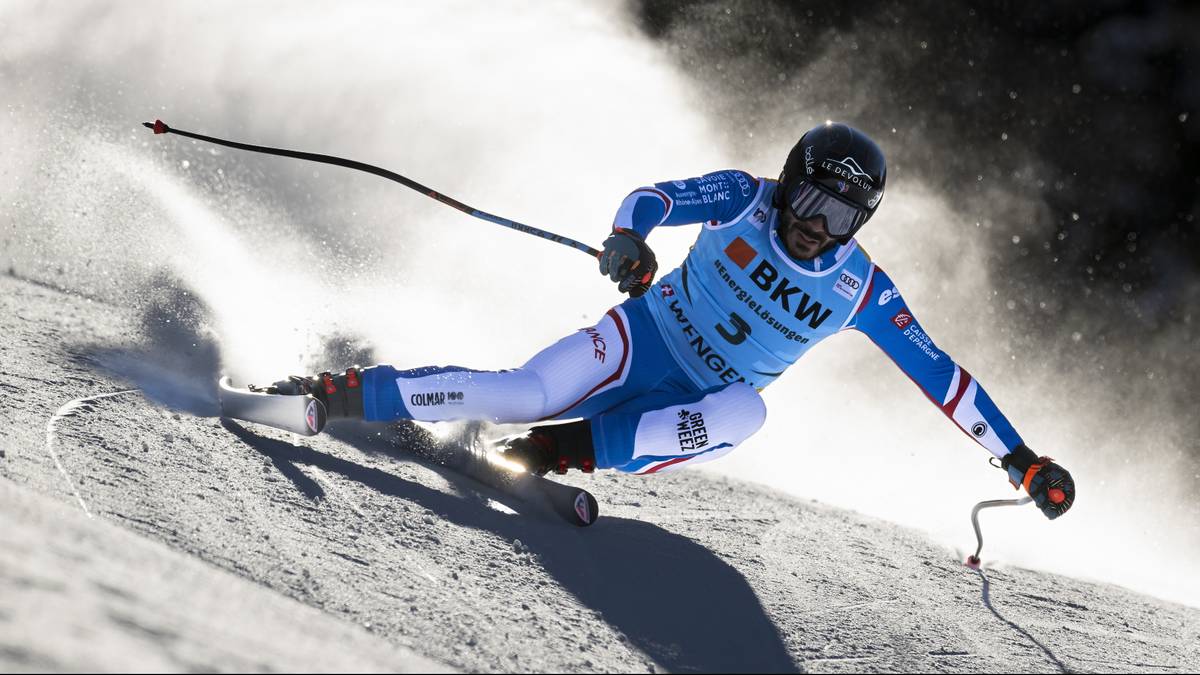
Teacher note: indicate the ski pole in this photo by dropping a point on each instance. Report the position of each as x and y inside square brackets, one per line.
[973, 561]
[161, 127]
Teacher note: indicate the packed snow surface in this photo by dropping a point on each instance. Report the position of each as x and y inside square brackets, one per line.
[139, 530]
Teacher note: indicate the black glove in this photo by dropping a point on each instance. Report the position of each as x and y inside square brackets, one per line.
[1050, 485]
[627, 260]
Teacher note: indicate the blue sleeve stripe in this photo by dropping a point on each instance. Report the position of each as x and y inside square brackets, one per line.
[717, 197]
[924, 390]
[667, 202]
[644, 209]
[883, 316]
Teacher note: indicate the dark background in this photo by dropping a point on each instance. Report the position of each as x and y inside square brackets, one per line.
[1089, 107]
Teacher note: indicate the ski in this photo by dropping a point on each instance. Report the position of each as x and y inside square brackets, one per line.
[466, 454]
[474, 458]
[303, 415]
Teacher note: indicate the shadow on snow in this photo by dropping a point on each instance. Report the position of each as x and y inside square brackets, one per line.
[673, 598]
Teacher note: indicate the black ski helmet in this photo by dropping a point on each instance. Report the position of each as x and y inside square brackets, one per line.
[834, 171]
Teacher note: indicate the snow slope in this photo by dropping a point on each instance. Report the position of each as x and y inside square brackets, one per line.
[82, 594]
[138, 530]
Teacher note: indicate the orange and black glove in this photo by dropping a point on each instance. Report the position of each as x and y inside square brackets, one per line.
[1050, 485]
[627, 260]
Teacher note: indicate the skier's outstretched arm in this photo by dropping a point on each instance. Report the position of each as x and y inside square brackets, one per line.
[714, 198]
[884, 317]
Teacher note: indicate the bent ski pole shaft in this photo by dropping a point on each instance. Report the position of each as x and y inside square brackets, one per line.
[161, 127]
[974, 561]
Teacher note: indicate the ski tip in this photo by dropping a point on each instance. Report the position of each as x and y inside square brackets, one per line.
[315, 416]
[587, 509]
[159, 126]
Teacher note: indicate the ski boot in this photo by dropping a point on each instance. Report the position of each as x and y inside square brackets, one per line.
[557, 447]
[340, 393]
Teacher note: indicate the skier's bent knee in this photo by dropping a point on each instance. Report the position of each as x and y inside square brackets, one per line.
[680, 431]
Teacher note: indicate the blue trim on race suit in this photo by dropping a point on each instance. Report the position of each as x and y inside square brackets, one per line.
[613, 432]
[648, 213]
[725, 202]
[655, 381]
[381, 396]
[741, 310]
[885, 318]
[652, 368]
[719, 196]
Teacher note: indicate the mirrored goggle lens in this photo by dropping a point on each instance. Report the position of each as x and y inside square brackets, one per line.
[809, 201]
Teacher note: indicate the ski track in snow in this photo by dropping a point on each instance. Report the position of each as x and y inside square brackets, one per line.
[69, 409]
[328, 483]
[987, 602]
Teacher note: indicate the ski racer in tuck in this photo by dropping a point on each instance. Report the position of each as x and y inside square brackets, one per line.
[671, 377]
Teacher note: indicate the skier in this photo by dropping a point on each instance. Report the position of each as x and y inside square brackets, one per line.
[671, 377]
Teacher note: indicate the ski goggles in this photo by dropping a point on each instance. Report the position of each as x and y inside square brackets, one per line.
[808, 200]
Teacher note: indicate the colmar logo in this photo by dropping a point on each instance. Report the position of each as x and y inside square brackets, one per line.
[902, 319]
[979, 429]
[436, 398]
